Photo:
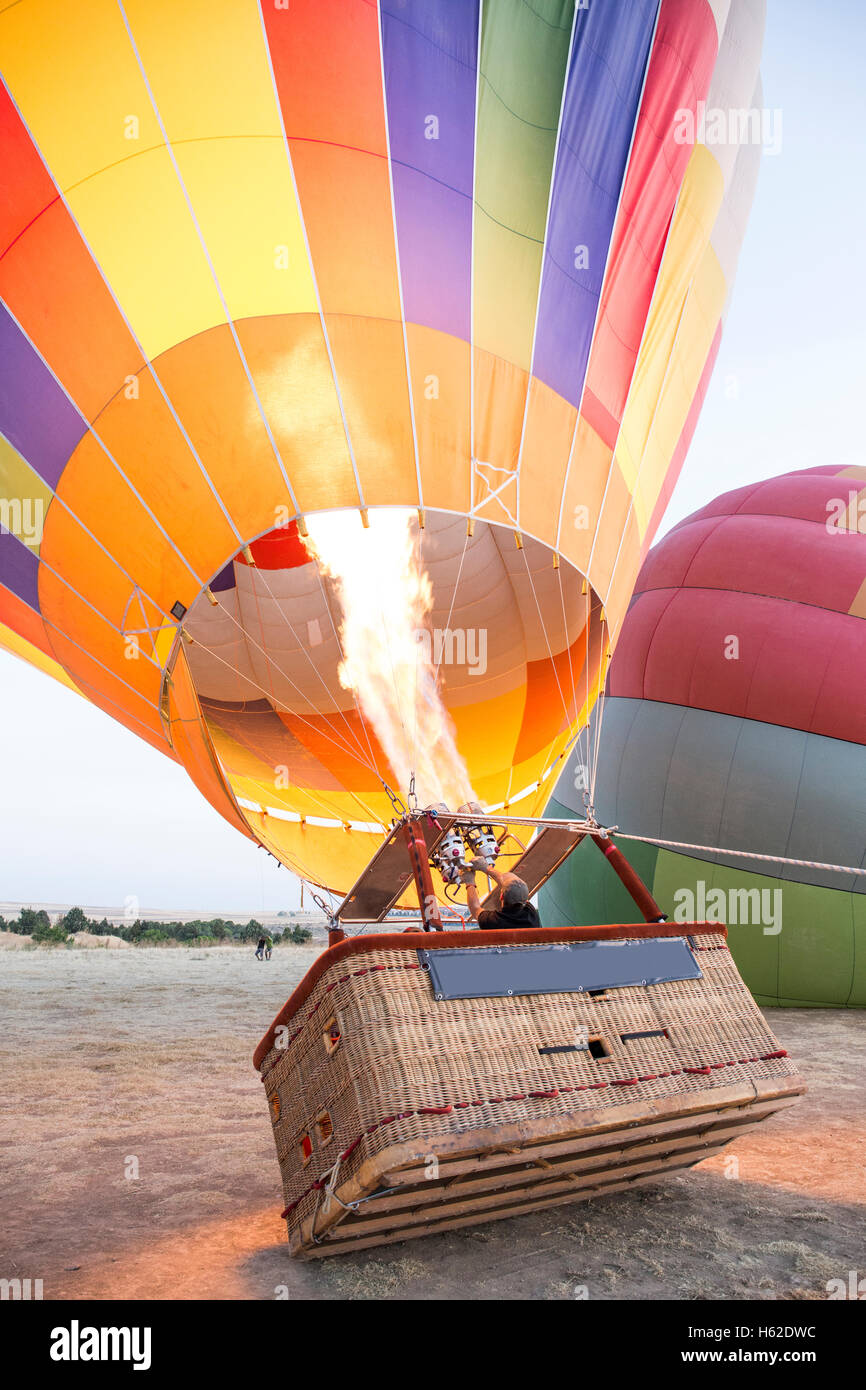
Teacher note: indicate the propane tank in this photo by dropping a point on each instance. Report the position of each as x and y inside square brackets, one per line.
[479, 839]
[448, 856]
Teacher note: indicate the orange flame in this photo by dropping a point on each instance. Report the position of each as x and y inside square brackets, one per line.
[386, 599]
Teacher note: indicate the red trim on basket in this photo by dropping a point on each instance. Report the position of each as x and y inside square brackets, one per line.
[318, 1183]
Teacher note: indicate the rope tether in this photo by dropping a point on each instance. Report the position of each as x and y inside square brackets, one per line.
[744, 854]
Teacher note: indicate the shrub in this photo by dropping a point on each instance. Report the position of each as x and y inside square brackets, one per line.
[29, 921]
[44, 934]
[75, 920]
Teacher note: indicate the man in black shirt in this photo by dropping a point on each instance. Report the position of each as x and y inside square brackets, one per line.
[514, 910]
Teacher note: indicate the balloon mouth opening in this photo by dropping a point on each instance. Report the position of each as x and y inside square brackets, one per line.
[508, 643]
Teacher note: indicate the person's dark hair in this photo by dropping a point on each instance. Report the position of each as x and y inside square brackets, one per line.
[515, 894]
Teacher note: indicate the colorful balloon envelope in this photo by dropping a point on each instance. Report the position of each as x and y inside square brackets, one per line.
[265, 261]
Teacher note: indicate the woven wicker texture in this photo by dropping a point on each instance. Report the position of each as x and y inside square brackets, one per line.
[408, 1069]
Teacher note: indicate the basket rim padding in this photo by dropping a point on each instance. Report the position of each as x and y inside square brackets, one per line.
[421, 940]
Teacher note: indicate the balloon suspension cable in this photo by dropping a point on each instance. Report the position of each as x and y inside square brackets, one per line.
[335, 931]
[745, 854]
[593, 739]
[411, 798]
[394, 798]
[322, 906]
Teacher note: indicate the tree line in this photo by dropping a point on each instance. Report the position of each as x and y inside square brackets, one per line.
[141, 932]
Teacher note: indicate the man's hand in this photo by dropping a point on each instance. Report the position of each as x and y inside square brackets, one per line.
[467, 875]
[500, 879]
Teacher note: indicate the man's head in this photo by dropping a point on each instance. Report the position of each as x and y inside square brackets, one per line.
[514, 891]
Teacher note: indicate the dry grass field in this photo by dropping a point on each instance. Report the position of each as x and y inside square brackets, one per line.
[117, 1063]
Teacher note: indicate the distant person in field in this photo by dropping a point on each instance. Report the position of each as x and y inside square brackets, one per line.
[514, 908]
[260, 947]
[269, 946]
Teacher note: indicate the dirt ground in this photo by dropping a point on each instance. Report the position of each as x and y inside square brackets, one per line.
[117, 1063]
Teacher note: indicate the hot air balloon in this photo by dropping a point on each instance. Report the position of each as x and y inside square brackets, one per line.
[734, 720]
[325, 320]
[264, 262]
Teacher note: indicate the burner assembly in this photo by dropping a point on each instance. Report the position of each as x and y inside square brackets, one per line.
[462, 843]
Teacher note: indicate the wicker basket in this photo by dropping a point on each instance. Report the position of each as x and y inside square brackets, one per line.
[398, 1113]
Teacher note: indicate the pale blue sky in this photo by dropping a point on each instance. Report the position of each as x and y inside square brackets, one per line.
[90, 814]
[795, 339]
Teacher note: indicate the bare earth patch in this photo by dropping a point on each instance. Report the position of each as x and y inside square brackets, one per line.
[91, 942]
[140, 1061]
